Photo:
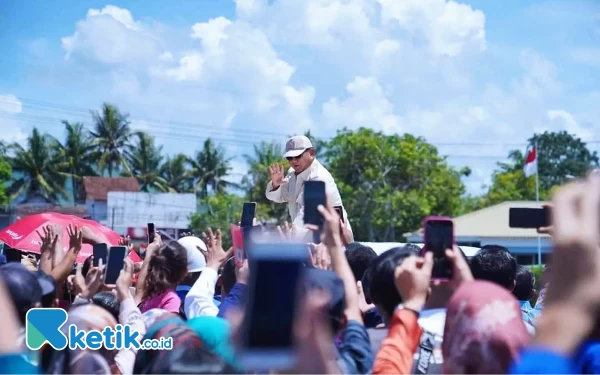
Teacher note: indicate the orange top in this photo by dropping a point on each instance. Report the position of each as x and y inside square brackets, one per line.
[396, 353]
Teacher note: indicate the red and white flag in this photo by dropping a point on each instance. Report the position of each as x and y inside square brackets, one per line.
[531, 166]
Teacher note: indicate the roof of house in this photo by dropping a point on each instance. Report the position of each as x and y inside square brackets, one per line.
[23, 210]
[97, 188]
[490, 222]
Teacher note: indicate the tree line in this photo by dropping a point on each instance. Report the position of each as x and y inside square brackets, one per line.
[388, 182]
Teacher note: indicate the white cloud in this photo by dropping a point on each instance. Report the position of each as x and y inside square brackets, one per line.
[10, 127]
[587, 56]
[566, 121]
[111, 36]
[366, 106]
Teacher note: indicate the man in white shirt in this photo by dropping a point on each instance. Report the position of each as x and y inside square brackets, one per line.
[288, 188]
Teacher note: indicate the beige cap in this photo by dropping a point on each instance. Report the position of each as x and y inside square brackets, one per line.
[296, 145]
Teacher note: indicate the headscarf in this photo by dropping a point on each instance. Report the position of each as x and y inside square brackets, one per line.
[84, 361]
[152, 315]
[484, 330]
[215, 334]
[166, 325]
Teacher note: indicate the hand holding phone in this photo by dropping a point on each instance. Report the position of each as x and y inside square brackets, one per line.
[439, 237]
[314, 196]
[238, 245]
[151, 232]
[248, 214]
[116, 257]
[99, 251]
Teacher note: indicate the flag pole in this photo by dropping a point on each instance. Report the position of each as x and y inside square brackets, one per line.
[537, 199]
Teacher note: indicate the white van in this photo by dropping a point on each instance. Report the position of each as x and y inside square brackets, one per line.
[381, 247]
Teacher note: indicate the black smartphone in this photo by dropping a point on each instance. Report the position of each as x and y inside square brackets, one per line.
[275, 273]
[116, 256]
[529, 218]
[151, 232]
[100, 251]
[340, 212]
[248, 214]
[438, 237]
[314, 195]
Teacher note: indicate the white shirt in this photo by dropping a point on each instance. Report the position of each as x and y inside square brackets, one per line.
[292, 192]
[200, 299]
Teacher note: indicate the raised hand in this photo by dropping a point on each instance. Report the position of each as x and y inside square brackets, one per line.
[88, 286]
[214, 253]
[125, 280]
[49, 238]
[75, 238]
[277, 175]
[412, 279]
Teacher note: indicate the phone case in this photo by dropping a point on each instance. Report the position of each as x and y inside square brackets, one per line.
[237, 237]
[425, 221]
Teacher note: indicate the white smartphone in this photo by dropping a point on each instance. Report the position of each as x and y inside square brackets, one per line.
[268, 339]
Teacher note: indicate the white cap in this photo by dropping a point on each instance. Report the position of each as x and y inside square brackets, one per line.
[296, 145]
[196, 261]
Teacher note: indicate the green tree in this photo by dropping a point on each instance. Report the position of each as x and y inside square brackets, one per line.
[389, 183]
[5, 174]
[209, 169]
[144, 162]
[218, 211]
[77, 157]
[111, 136]
[561, 156]
[39, 168]
[255, 182]
[176, 175]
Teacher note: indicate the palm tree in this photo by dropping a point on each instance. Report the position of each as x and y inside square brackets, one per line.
[144, 162]
[39, 168]
[208, 169]
[111, 138]
[77, 157]
[176, 175]
[255, 182]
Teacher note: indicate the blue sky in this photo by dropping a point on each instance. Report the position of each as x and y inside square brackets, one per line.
[476, 78]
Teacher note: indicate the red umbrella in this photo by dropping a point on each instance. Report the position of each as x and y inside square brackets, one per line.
[22, 235]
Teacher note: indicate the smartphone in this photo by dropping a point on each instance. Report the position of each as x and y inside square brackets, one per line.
[276, 271]
[237, 240]
[248, 214]
[438, 237]
[151, 232]
[530, 218]
[340, 212]
[116, 256]
[314, 195]
[100, 251]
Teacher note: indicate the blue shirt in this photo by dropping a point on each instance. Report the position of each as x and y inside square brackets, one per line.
[355, 355]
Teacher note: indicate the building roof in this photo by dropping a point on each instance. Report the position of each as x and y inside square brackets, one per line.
[490, 222]
[97, 188]
[23, 210]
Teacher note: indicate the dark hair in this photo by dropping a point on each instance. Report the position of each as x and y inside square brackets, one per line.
[381, 287]
[524, 283]
[228, 278]
[167, 268]
[23, 287]
[496, 264]
[359, 258]
[87, 264]
[109, 302]
[48, 299]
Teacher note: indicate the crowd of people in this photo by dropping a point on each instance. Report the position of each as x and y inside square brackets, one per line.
[361, 312]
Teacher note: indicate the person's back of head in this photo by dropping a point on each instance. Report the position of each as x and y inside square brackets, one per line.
[496, 264]
[167, 268]
[330, 282]
[108, 301]
[227, 277]
[23, 288]
[359, 258]
[380, 285]
[524, 283]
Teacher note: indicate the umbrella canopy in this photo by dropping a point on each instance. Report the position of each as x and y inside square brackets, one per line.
[22, 235]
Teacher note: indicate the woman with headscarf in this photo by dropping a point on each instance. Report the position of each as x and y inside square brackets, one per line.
[215, 334]
[484, 330]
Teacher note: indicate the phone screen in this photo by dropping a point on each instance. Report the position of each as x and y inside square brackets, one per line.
[100, 251]
[529, 218]
[248, 214]
[340, 212]
[314, 195]
[151, 232]
[116, 256]
[439, 236]
[270, 325]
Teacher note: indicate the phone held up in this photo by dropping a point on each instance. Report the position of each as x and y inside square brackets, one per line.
[151, 232]
[314, 195]
[248, 214]
[438, 237]
[116, 257]
[529, 218]
[267, 330]
[99, 251]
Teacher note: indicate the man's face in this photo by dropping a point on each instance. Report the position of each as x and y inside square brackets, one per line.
[302, 162]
